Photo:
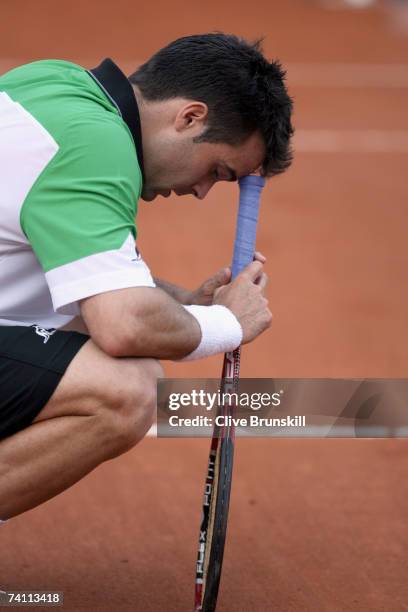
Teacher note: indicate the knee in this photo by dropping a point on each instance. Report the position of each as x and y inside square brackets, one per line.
[132, 406]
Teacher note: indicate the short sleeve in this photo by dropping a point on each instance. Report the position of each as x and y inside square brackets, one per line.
[79, 216]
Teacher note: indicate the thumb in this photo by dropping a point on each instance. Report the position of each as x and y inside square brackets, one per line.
[222, 277]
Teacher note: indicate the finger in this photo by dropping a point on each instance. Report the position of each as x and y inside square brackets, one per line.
[223, 276]
[258, 256]
[262, 281]
[253, 270]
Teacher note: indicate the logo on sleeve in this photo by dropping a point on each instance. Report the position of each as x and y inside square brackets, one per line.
[138, 255]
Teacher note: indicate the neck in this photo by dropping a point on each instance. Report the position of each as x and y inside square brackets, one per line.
[156, 115]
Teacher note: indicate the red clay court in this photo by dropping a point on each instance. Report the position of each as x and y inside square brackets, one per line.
[315, 525]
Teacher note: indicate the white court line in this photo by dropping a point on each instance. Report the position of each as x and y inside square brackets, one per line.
[300, 74]
[330, 75]
[347, 75]
[326, 74]
[350, 141]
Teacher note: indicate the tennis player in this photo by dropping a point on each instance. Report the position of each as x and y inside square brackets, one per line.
[83, 323]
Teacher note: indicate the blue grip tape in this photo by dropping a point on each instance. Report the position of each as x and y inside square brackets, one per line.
[245, 237]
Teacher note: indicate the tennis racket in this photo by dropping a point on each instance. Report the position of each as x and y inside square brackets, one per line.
[217, 489]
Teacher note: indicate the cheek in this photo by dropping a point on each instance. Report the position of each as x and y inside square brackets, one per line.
[198, 168]
[181, 167]
[188, 171]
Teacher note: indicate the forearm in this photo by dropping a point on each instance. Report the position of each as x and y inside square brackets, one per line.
[162, 329]
[165, 329]
[178, 293]
[147, 322]
[141, 322]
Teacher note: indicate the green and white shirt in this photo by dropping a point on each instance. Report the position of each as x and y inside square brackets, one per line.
[71, 172]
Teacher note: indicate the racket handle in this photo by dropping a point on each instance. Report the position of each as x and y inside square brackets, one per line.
[248, 212]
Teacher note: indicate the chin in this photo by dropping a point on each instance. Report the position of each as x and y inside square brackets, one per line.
[148, 196]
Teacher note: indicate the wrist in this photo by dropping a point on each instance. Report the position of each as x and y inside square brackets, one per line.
[221, 331]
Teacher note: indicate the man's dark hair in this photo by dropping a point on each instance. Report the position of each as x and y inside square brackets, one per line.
[243, 91]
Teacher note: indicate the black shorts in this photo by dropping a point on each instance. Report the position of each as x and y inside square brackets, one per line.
[32, 363]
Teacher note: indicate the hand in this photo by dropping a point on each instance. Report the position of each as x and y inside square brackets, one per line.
[204, 295]
[244, 296]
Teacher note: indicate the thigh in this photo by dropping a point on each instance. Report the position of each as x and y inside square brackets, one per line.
[33, 360]
[94, 379]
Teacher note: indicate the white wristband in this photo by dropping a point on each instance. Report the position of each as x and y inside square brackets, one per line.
[221, 331]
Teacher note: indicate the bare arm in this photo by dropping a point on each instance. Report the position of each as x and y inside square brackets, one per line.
[147, 322]
[140, 322]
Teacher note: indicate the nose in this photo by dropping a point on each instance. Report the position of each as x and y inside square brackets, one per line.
[200, 190]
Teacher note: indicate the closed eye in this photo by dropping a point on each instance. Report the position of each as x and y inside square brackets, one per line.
[227, 174]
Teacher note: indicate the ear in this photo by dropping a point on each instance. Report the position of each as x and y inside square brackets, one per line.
[191, 116]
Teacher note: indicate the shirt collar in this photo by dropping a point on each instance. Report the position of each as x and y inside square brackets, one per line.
[117, 87]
